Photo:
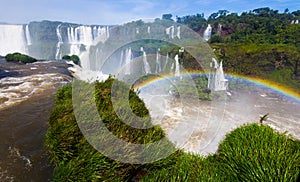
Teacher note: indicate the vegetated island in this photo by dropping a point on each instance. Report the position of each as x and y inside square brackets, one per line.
[18, 57]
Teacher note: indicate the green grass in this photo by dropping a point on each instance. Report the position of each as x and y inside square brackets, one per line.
[251, 152]
[257, 153]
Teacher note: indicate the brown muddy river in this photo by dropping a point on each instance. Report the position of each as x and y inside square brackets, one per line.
[27, 97]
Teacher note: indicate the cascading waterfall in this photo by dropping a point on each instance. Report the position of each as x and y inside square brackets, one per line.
[12, 39]
[177, 66]
[172, 68]
[59, 43]
[219, 29]
[171, 32]
[207, 33]
[217, 81]
[128, 58]
[85, 35]
[147, 68]
[157, 65]
[148, 29]
[166, 63]
[28, 37]
[122, 58]
[107, 32]
[178, 32]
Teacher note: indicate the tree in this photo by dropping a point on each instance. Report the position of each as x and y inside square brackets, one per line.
[286, 10]
[74, 58]
[167, 16]
[66, 57]
[296, 13]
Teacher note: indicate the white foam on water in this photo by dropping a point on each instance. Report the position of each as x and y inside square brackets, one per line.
[15, 153]
[18, 89]
[4, 176]
[85, 74]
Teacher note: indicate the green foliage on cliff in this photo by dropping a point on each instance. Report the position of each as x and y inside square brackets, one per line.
[18, 57]
[261, 43]
[275, 62]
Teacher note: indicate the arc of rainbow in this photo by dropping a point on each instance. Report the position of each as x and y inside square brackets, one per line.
[293, 94]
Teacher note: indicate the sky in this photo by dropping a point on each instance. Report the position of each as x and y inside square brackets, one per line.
[111, 12]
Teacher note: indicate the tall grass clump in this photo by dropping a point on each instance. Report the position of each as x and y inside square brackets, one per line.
[258, 153]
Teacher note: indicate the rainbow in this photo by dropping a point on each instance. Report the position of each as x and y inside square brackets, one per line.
[293, 94]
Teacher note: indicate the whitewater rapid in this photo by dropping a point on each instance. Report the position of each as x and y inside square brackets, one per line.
[26, 99]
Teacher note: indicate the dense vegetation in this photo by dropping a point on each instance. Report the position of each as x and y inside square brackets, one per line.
[261, 43]
[18, 57]
[74, 58]
[252, 152]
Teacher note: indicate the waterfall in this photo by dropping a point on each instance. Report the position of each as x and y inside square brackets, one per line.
[73, 40]
[12, 39]
[107, 32]
[85, 35]
[178, 32]
[217, 80]
[172, 68]
[170, 32]
[147, 68]
[157, 62]
[166, 63]
[121, 58]
[128, 58]
[177, 66]
[59, 43]
[27, 33]
[207, 33]
[148, 29]
[219, 29]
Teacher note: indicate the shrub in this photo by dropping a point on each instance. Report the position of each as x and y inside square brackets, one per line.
[258, 153]
[74, 58]
[20, 58]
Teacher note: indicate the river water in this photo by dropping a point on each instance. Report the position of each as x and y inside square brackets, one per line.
[198, 126]
[26, 99]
